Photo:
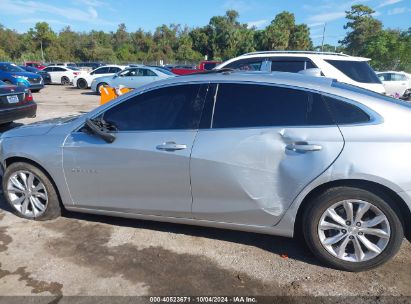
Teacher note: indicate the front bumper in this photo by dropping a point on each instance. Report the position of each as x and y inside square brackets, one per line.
[18, 112]
[36, 86]
[406, 196]
[93, 86]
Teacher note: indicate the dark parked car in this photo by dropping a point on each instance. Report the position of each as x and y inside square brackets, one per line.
[13, 74]
[16, 102]
[46, 76]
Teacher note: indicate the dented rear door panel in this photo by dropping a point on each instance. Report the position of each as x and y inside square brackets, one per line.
[249, 176]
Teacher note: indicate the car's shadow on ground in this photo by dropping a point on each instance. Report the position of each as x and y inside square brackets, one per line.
[280, 246]
[90, 93]
[7, 127]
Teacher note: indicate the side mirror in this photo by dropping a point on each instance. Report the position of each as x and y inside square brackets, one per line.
[311, 72]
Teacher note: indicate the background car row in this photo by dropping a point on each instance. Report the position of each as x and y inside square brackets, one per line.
[345, 68]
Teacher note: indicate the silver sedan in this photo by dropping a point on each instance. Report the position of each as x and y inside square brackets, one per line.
[280, 154]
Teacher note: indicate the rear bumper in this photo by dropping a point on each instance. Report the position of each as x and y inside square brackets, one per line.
[19, 112]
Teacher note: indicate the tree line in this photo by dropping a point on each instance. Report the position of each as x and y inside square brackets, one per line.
[222, 38]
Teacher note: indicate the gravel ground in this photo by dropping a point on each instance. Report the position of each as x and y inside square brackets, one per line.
[95, 255]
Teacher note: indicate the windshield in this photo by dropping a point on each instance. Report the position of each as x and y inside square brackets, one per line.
[11, 68]
[357, 70]
[165, 71]
[30, 69]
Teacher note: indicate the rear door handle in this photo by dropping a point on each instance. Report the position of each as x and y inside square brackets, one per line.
[171, 146]
[303, 147]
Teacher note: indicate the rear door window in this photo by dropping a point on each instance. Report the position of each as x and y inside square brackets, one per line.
[398, 77]
[102, 70]
[291, 64]
[359, 71]
[247, 105]
[114, 70]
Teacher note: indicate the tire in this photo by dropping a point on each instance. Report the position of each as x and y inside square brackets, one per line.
[98, 87]
[65, 80]
[7, 81]
[82, 84]
[52, 207]
[318, 235]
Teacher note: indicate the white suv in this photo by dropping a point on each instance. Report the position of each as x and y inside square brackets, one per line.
[344, 68]
[84, 80]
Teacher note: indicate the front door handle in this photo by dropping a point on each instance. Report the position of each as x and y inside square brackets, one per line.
[171, 146]
[303, 147]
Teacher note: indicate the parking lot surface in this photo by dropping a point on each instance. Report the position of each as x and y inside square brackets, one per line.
[95, 255]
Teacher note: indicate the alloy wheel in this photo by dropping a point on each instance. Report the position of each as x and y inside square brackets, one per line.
[354, 230]
[27, 194]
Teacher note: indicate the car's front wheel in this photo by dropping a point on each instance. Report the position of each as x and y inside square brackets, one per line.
[82, 84]
[30, 192]
[100, 86]
[353, 229]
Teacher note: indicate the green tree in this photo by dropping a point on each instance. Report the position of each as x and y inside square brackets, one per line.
[43, 35]
[277, 35]
[362, 27]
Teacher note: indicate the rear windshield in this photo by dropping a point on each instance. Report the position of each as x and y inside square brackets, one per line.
[359, 71]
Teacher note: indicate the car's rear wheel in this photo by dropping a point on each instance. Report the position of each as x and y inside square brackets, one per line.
[30, 192]
[65, 80]
[82, 84]
[7, 81]
[353, 229]
[99, 86]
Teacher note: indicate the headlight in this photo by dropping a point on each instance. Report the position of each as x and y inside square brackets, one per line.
[20, 77]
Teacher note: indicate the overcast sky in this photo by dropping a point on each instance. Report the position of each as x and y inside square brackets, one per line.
[84, 15]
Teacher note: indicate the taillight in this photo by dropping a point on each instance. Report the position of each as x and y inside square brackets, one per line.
[76, 73]
[28, 96]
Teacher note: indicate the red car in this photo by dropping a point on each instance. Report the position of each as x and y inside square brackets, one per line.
[187, 69]
[35, 64]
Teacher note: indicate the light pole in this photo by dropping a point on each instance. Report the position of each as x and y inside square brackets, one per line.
[322, 42]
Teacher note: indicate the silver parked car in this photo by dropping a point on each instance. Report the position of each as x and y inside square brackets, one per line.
[132, 77]
[274, 153]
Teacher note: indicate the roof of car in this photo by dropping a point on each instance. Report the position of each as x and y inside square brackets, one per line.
[281, 78]
[312, 54]
[59, 66]
[397, 72]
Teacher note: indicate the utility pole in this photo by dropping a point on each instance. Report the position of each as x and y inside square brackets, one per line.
[322, 43]
[41, 47]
